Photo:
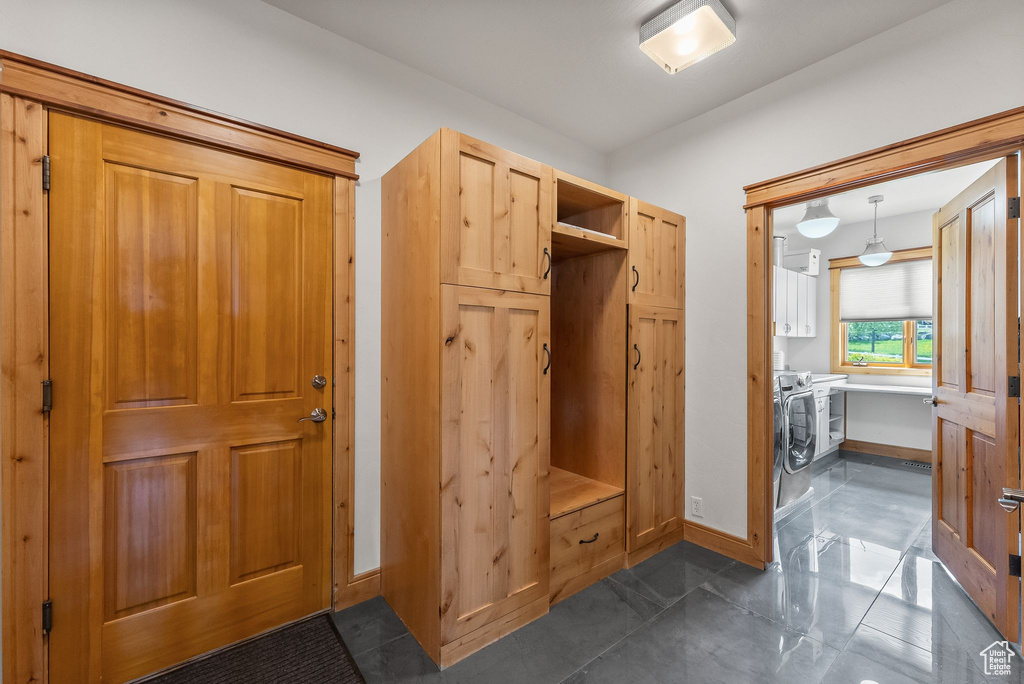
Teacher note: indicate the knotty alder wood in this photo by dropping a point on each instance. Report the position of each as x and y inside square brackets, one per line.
[495, 217]
[760, 487]
[654, 484]
[657, 255]
[583, 204]
[24, 358]
[571, 492]
[974, 424]
[588, 539]
[216, 267]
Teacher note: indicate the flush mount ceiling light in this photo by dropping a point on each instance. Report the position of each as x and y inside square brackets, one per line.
[876, 253]
[686, 33]
[818, 220]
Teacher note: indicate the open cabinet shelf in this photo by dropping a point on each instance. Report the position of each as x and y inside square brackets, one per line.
[571, 492]
[588, 218]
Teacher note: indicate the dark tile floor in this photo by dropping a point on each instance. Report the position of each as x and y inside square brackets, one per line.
[855, 595]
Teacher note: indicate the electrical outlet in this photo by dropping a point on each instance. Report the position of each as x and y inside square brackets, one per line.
[697, 506]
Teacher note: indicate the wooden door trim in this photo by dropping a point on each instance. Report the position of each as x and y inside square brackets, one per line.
[29, 89]
[978, 140]
[65, 89]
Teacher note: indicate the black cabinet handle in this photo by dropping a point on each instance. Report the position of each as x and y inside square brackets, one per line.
[637, 281]
[548, 352]
[589, 541]
[548, 255]
[637, 350]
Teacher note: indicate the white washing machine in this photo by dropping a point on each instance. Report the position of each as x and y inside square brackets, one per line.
[799, 435]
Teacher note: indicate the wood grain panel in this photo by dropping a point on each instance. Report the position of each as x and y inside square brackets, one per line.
[587, 538]
[494, 455]
[24, 356]
[152, 231]
[656, 255]
[982, 304]
[654, 460]
[484, 216]
[588, 376]
[266, 282]
[951, 476]
[149, 532]
[265, 508]
[524, 218]
[948, 345]
[984, 488]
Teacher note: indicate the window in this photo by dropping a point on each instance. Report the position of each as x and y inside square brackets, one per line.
[881, 316]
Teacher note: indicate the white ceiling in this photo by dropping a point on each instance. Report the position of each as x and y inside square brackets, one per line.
[924, 192]
[575, 66]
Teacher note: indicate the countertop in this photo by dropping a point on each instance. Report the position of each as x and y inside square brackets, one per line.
[841, 383]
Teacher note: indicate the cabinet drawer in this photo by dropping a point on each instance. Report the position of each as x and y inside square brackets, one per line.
[604, 523]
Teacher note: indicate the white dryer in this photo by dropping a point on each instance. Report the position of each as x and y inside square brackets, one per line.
[799, 435]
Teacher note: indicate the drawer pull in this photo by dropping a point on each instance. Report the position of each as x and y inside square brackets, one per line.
[589, 541]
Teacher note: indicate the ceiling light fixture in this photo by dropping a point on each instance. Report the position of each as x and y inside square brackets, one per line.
[876, 253]
[818, 220]
[686, 33]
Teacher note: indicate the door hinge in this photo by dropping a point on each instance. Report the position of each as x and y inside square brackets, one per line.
[47, 616]
[46, 173]
[1013, 207]
[47, 396]
[1013, 386]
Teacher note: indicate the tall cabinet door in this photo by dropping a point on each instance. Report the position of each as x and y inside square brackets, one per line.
[495, 422]
[495, 217]
[654, 459]
[657, 247]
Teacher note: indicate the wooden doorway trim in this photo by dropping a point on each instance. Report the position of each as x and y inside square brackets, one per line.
[987, 138]
[29, 89]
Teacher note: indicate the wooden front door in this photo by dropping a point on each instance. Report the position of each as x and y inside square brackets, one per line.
[495, 217]
[974, 421]
[495, 436]
[654, 429]
[657, 245]
[191, 301]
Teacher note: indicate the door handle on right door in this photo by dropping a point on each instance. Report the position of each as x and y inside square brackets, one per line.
[318, 415]
[932, 401]
[1011, 499]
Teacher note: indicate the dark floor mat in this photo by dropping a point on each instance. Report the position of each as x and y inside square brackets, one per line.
[308, 651]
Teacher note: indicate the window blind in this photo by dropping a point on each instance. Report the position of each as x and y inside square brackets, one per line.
[894, 292]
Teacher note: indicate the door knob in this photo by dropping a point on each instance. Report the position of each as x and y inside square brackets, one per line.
[931, 401]
[319, 381]
[317, 416]
[1011, 499]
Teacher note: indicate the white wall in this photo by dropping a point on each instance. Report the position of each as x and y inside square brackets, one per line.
[251, 60]
[899, 420]
[956, 63]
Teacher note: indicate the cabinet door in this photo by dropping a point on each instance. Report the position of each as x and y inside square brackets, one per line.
[822, 441]
[792, 303]
[801, 306]
[657, 255]
[654, 458]
[495, 217]
[780, 311]
[811, 329]
[495, 400]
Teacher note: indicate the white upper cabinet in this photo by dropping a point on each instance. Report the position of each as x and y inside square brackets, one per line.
[796, 299]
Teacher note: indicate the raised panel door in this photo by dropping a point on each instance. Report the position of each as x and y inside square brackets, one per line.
[975, 421]
[495, 217]
[657, 255]
[191, 307]
[495, 427]
[654, 456]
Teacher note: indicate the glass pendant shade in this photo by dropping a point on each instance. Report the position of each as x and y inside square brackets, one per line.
[875, 253]
[818, 220]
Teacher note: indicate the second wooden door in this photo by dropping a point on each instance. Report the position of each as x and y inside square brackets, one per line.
[654, 460]
[190, 311]
[657, 246]
[495, 424]
[974, 418]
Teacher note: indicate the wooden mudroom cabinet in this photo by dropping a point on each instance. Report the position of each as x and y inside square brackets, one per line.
[507, 482]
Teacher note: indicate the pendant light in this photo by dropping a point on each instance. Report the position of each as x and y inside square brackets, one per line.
[818, 220]
[875, 253]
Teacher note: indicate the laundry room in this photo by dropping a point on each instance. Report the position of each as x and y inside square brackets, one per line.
[853, 349]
